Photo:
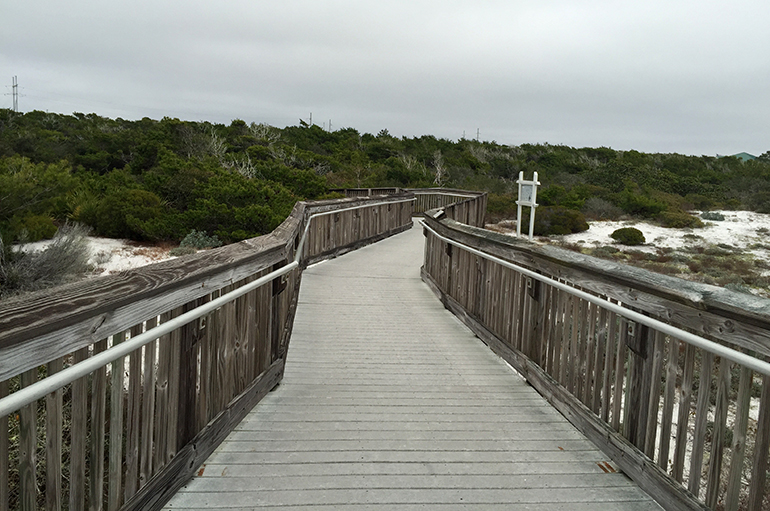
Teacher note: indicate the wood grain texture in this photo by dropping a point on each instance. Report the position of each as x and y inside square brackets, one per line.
[714, 312]
[79, 434]
[53, 438]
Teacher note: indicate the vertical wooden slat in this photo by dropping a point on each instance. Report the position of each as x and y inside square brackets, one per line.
[654, 393]
[576, 355]
[27, 446]
[188, 377]
[667, 417]
[96, 444]
[609, 365]
[148, 408]
[718, 434]
[207, 361]
[116, 429]
[3, 452]
[132, 418]
[621, 356]
[590, 353]
[170, 415]
[761, 446]
[682, 423]
[701, 418]
[78, 427]
[564, 338]
[743, 404]
[599, 365]
[162, 398]
[53, 444]
[640, 381]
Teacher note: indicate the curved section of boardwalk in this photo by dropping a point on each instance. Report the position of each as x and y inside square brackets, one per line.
[388, 402]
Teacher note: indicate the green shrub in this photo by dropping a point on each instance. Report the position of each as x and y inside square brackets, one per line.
[123, 214]
[37, 227]
[679, 220]
[628, 236]
[712, 215]
[200, 240]
[555, 220]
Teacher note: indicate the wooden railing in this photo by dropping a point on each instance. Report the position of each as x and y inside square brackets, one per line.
[464, 206]
[670, 378]
[129, 432]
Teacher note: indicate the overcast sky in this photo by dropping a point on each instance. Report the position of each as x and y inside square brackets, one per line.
[683, 76]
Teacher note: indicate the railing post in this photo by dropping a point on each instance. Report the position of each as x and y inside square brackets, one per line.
[637, 338]
[276, 321]
[188, 377]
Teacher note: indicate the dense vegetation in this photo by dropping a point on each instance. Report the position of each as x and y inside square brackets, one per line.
[159, 180]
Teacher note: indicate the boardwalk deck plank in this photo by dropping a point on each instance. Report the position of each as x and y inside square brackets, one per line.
[388, 401]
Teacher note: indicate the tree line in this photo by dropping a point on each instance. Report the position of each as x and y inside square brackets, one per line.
[161, 179]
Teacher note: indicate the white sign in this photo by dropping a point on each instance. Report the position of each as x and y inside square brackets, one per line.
[527, 197]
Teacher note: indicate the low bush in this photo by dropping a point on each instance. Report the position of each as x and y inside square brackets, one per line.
[200, 240]
[679, 220]
[555, 220]
[597, 208]
[65, 259]
[628, 236]
[715, 216]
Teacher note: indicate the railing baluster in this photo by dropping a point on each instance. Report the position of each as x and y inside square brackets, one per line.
[148, 409]
[115, 490]
[132, 417]
[96, 445]
[701, 418]
[667, 418]
[718, 433]
[743, 403]
[27, 447]
[4, 462]
[53, 442]
[759, 469]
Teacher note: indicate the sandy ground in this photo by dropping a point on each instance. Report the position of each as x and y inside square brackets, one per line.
[114, 255]
[739, 229]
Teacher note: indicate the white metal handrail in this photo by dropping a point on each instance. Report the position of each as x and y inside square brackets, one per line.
[747, 361]
[56, 381]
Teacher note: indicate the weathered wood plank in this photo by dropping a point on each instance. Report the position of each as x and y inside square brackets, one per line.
[653, 401]
[667, 417]
[27, 447]
[155, 494]
[718, 433]
[115, 469]
[4, 487]
[133, 424]
[148, 409]
[682, 423]
[96, 440]
[701, 420]
[743, 403]
[53, 442]
[761, 447]
[78, 431]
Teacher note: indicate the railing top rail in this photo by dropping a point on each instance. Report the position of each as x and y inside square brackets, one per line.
[747, 361]
[38, 390]
[734, 318]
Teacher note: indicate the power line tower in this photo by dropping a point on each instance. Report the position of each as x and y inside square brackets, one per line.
[15, 94]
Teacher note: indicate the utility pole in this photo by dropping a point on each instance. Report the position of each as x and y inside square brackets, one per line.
[311, 118]
[15, 94]
[330, 125]
[477, 134]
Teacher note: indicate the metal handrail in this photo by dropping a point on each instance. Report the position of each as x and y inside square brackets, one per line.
[747, 361]
[58, 380]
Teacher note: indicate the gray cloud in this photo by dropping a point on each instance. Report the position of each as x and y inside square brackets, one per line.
[683, 76]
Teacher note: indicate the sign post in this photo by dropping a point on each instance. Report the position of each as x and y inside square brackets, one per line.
[527, 197]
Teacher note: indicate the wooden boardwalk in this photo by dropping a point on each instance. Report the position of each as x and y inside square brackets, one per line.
[389, 402]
